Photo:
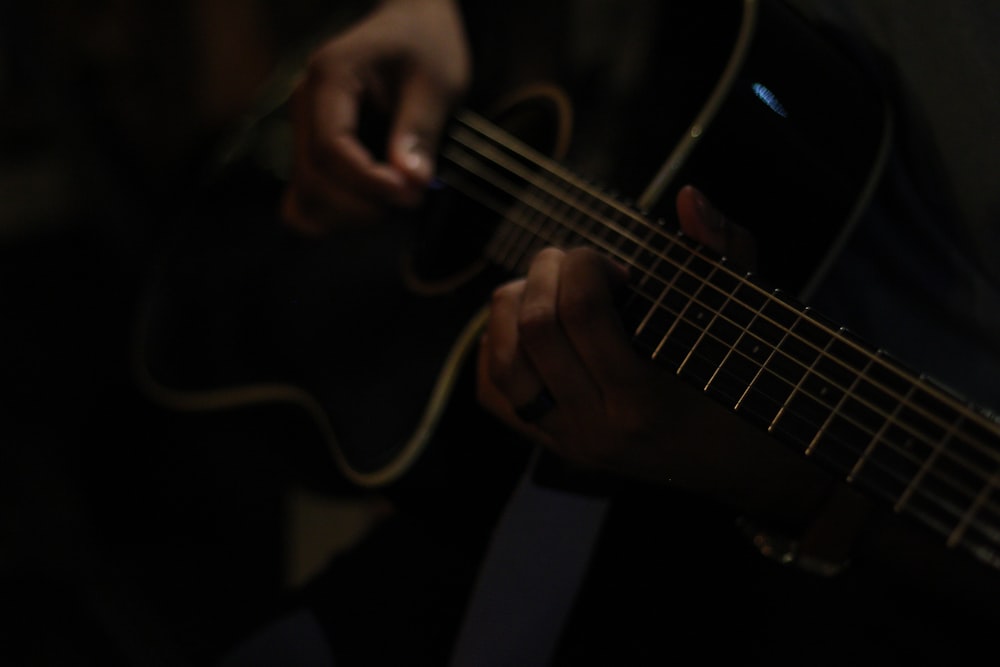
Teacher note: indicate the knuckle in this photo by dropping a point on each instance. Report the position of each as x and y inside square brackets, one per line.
[582, 257]
[450, 81]
[458, 77]
[504, 294]
[548, 254]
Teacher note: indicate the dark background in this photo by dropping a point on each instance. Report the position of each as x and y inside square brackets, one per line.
[129, 534]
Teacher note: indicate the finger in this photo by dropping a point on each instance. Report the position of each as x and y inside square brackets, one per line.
[335, 147]
[330, 158]
[421, 116]
[316, 200]
[587, 309]
[702, 221]
[313, 202]
[491, 397]
[319, 199]
[509, 368]
[544, 340]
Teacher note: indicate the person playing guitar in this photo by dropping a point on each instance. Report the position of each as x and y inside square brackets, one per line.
[557, 365]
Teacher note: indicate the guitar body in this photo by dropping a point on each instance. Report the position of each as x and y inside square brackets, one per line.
[368, 330]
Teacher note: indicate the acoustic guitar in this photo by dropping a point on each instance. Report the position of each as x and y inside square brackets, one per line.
[368, 331]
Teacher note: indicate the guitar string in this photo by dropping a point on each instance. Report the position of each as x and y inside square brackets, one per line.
[832, 383]
[978, 520]
[517, 248]
[531, 244]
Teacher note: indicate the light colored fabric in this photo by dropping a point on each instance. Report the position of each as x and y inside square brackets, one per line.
[296, 640]
[530, 577]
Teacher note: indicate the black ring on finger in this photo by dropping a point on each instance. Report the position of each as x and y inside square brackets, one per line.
[537, 408]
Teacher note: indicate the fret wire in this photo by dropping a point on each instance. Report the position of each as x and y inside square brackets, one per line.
[936, 449]
[558, 172]
[832, 383]
[982, 499]
[657, 262]
[619, 242]
[633, 259]
[838, 408]
[797, 388]
[877, 437]
[774, 350]
[658, 304]
[731, 348]
[680, 316]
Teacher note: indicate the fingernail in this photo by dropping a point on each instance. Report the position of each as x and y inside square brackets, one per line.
[416, 160]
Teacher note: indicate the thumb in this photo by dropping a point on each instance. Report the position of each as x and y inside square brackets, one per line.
[420, 118]
[702, 221]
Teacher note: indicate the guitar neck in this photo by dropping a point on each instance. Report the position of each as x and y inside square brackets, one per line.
[899, 436]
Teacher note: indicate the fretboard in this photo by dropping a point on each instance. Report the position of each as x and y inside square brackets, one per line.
[899, 436]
